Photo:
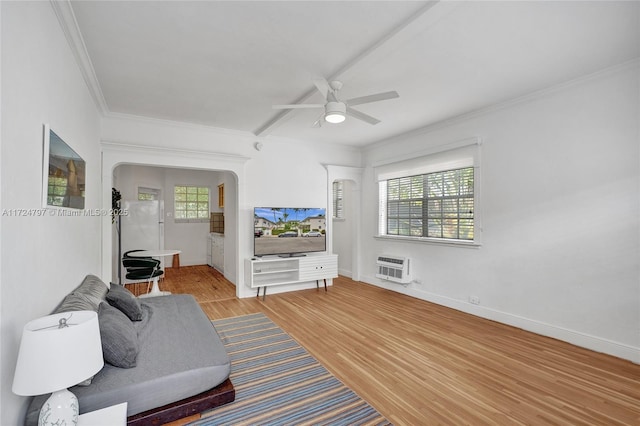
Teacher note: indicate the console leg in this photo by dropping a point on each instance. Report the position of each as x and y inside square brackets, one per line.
[325, 284]
[264, 293]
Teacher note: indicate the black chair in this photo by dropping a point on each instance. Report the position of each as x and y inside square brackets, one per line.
[142, 269]
[127, 256]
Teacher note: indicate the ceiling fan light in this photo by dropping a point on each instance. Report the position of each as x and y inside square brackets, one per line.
[335, 112]
[334, 117]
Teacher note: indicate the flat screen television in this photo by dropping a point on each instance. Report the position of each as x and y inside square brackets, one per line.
[287, 231]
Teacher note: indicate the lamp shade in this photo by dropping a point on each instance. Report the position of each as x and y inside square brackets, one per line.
[58, 351]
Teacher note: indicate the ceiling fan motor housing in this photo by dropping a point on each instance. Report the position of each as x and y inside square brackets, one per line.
[335, 112]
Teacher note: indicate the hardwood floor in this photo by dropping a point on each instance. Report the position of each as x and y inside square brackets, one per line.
[419, 363]
[204, 283]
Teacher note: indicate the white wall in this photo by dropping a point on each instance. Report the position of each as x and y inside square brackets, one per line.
[560, 199]
[43, 258]
[2, 368]
[230, 225]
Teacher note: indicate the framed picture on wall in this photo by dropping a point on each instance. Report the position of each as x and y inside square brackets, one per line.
[63, 175]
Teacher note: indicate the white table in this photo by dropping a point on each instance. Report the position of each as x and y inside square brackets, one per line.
[115, 415]
[155, 289]
[154, 253]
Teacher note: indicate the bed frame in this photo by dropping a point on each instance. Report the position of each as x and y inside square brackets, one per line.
[220, 395]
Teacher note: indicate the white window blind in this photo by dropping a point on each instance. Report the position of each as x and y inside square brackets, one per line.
[338, 200]
[436, 205]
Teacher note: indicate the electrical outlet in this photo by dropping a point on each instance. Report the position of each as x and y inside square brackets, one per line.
[475, 300]
[418, 281]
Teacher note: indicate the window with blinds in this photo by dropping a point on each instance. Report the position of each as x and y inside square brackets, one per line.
[338, 201]
[433, 205]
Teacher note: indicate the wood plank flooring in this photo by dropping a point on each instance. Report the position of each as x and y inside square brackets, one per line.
[423, 364]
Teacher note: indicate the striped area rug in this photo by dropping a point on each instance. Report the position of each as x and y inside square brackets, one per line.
[277, 382]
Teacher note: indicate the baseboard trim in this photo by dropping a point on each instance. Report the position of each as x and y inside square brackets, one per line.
[345, 273]
[576, 338]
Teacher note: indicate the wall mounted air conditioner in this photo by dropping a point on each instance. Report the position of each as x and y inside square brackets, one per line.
[394, 268]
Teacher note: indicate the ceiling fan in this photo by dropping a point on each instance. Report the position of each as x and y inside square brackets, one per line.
[335, 110]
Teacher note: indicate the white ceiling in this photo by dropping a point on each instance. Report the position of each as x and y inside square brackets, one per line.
[224, 63]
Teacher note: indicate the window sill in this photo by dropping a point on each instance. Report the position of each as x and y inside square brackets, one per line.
[191, 220]
[436, 241]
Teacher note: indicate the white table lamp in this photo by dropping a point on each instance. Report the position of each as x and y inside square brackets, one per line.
[56, 352]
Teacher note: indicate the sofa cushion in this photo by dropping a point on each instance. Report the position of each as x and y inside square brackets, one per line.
[86, 297]
[76, 302]
[93, 288]
[123, 299]
[119, 337]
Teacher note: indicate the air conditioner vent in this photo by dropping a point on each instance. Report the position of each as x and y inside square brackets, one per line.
[394, 268]
[396, 260]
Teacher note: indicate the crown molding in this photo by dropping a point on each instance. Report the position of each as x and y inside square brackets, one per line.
[120, 147]
[69, 25]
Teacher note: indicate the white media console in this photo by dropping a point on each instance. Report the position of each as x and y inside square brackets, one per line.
[289, 270]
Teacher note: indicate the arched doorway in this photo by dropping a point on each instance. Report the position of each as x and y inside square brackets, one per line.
[346, 231]
[114, 155]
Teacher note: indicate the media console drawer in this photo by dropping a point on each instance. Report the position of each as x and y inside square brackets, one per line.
[318, 268]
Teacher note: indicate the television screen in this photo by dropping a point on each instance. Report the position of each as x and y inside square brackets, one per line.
[288, 231]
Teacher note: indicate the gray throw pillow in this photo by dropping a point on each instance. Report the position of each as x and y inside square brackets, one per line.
[76, 302]
[119, 337]
[123, 299]
[93, 288]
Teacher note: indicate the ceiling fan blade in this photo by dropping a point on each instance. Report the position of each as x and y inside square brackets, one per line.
[362, 116]
[372, 98]
[298, 106]
[318, 122]
[323, 87]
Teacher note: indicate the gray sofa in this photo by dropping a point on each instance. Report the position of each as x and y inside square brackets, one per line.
[158, 351]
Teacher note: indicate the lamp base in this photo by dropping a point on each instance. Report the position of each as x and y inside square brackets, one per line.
[60, 409]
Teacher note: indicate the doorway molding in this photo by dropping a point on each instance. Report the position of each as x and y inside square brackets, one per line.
[353, 174]
[116, 153]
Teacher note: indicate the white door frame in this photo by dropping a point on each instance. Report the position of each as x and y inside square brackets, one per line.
[115, 154]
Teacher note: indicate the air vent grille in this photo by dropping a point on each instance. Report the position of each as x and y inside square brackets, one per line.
[393, 268]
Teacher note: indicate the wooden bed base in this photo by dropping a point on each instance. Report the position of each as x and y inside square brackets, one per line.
[220, 395]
